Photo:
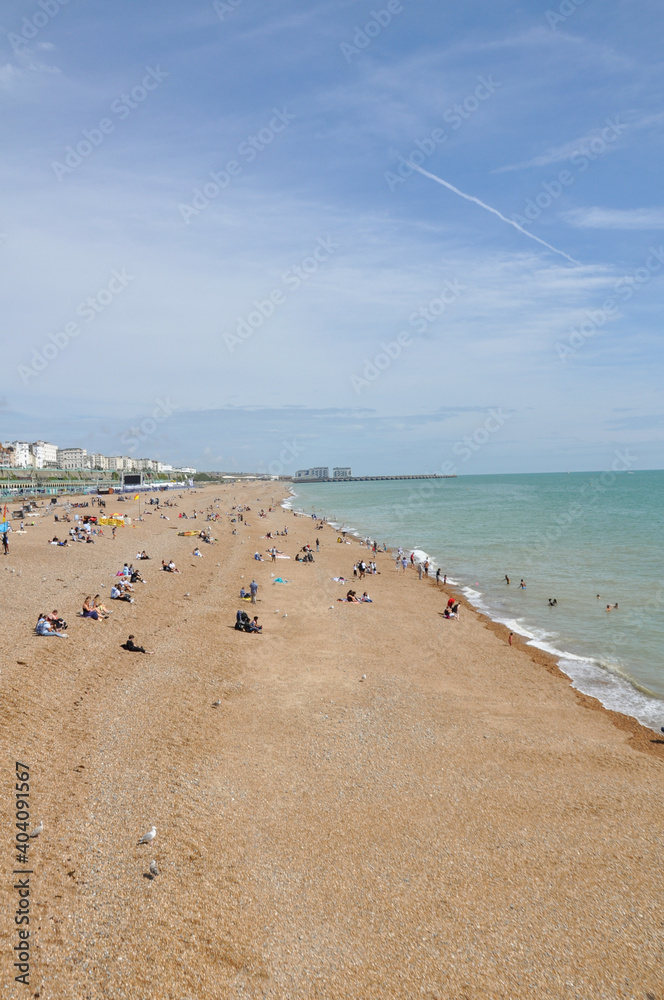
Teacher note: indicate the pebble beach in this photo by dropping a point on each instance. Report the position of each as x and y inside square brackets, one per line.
[362, 801]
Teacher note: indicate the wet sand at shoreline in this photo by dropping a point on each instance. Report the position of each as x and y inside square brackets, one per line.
[456, 825]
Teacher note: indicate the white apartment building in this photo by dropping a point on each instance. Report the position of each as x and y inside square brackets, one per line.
[341, 473]
[22, 454]
[319, 472]
[72, 459]
[98, 461]
[44, 455]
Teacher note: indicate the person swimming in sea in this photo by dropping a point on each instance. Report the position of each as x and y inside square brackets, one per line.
[507, 579]
[552, 602]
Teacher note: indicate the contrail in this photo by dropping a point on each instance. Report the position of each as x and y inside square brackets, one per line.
[494, 211]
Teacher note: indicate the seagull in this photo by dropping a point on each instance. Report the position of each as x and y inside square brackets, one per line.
[216, 704]
[149, 836]
[153, 868]
[38, 829]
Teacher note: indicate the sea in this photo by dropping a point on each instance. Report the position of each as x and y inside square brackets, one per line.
[585, 540]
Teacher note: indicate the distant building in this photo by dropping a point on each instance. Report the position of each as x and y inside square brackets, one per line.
[72, 459]
[22, 455]
[320, 472]
[6, 456]
[98, 461]
[44, 455]
[341, 473]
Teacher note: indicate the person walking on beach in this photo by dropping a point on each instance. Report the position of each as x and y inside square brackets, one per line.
[426, 567]
[509, 639]
[404, 563]
[5, 543]
[253, 587]
[318, 545]
[438, 577]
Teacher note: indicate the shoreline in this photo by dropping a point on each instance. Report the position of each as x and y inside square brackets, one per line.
[552, 661]
[364, 800]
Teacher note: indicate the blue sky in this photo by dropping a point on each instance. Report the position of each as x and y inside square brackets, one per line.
[211, 213]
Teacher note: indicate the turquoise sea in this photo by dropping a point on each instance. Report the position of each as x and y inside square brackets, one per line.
[569, 536]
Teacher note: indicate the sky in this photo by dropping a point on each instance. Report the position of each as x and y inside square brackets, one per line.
[407, 236]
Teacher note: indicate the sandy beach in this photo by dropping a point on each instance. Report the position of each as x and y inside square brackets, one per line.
[385, 803]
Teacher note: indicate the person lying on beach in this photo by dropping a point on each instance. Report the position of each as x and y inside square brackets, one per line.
[197, 552]
[131, 647]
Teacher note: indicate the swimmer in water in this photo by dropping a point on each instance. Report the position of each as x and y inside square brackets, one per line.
[552, 602]
[507, 579]
[522, 585]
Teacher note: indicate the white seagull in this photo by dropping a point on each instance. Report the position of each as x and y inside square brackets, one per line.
[38, 829]
[149, 836]
[153, 868]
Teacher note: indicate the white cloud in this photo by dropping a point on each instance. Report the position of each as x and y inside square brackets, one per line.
[616, 218]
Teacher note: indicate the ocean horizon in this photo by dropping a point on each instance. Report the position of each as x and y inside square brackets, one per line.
[588, 540]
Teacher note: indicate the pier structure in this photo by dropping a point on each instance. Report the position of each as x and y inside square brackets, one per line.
[369, 479]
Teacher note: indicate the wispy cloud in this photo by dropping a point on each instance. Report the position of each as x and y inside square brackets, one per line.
[616, 218]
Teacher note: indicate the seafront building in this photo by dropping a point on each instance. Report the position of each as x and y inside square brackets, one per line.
[319, 472]
[44, 455]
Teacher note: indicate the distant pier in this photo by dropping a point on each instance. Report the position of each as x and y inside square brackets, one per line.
[371, 479]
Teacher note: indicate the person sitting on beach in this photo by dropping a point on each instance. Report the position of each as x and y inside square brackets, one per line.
[245, 595]
[55, 620]
[351, 597]
[172, 568]
[254, 626]
[45, 627]
[241, 621]
[89, 610]
[258, 557]
[136, 576]
[99, 607]
[365, 597]
[131, 647]
[119, 594]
